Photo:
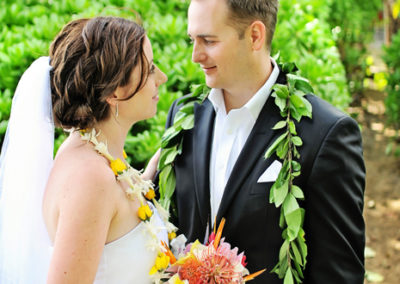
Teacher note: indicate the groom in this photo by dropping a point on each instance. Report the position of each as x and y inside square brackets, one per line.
[222, 173]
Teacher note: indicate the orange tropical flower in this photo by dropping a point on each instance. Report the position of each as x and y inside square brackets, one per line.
[150, 194]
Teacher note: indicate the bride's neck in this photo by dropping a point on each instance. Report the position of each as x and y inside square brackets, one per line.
[114, 135]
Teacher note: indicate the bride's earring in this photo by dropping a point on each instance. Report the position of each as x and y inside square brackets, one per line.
[116, 110]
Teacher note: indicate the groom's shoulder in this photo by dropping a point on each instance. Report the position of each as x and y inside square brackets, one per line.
[323, 111]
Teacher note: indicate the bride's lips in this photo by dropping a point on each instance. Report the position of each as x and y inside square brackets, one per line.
[209, 70]
[156, 97]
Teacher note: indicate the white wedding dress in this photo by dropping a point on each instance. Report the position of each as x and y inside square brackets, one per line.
[25, 163]
[128, 259]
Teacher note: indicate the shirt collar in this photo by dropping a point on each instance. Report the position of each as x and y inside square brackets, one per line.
[255, 104]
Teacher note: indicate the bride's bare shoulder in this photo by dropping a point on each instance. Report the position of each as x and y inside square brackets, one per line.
[77, 165]
[81, 187]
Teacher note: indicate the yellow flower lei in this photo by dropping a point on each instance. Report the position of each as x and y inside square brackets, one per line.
[140, 189]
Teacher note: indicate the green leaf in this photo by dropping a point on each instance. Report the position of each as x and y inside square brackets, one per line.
[304, 86]
[297, 101]
[274, 145]
[294, 223]
[272, 193]
[297, 192]
[281, 124]
[296, 253]
[308, 107]
[281, 103]
[293, 216]
[295, 274]
[281, 220]
[169, 134]
[293, 78]
[297, 141]
[282, 150]
[283, 250]
[288, 67]
[179, 117]
[288, 277]
[164, 154]
[302, 245]
[171, 156]
[296, 153]
[281, 193]
[167, 185]
[170, 137]
[299, 272]
[187, 108]
[281, 91]
[295, 174]
[290, 204]
[292, 128]
[296, 166]
[188, 123]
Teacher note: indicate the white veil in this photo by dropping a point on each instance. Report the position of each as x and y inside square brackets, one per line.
[25, 163]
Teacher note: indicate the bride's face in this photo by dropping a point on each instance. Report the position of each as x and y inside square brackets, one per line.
[143, 104]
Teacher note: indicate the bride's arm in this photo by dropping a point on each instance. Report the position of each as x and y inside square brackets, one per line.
[151, 168]
[86, 208]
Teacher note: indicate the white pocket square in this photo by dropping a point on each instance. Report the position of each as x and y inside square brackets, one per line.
[271, 174]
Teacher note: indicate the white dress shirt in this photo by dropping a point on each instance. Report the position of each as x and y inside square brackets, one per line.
[231, 131]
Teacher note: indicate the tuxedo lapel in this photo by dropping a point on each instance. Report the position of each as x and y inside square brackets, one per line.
[254, 148]
[203, 130]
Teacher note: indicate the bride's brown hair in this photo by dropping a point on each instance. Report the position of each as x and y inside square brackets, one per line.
[90, 59]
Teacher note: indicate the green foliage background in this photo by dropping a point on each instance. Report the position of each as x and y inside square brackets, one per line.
[392, 101]
[305, 34]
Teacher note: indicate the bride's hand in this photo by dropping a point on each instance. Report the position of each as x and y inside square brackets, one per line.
[151, 168]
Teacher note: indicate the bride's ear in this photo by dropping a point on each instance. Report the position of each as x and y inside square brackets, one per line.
[113, 99]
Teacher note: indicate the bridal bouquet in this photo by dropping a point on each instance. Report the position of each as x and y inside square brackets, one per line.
[214, 262]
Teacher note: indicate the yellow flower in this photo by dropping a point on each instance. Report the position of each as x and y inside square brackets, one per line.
[124, 154]
[153, 270]
[171, 236]
[150, 194]
[117, 166]
[162, 261]
[144, 212]
[148, 211]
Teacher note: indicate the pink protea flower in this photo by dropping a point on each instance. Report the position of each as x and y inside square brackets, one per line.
[209, 265]
[215, 263]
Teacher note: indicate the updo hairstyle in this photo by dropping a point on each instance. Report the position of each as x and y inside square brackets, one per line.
[90, 59]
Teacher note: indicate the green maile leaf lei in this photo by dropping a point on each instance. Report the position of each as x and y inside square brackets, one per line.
[293, 106]
[172, 141]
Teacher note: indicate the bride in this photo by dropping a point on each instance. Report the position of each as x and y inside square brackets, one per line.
[70, 220]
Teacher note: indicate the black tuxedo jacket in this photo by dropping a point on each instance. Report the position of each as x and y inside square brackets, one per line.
[332, 179]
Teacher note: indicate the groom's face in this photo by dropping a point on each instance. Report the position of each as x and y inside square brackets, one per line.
[216, 45]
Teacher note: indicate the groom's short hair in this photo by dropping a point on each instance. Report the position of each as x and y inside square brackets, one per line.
[243, 12]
